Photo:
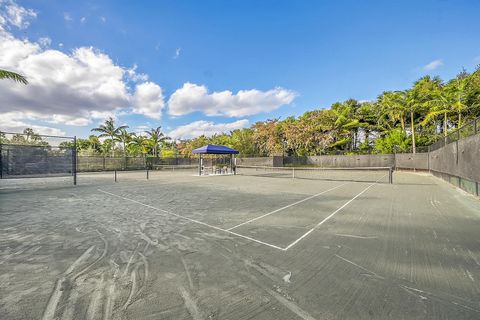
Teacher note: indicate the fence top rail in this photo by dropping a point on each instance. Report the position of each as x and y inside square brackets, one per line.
[455, 133]
[35, 145]
[41, 135]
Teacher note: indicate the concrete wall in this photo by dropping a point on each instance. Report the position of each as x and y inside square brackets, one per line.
[260, 161]
[417, 161]
[460, 158]
[459, 164]
[369, 160]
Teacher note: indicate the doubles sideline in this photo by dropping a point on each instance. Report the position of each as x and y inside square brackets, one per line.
[247, 237]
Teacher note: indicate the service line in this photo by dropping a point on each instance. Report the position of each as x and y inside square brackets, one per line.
[331, 215]
[241, 235]
[192, 220]
[287, 206]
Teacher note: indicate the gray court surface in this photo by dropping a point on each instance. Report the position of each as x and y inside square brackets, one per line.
[178, 246]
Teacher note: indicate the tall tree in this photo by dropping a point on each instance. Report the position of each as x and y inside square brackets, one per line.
[156, 137]
[139, 145]
[124, 137]
[419, 101]
[108, 129]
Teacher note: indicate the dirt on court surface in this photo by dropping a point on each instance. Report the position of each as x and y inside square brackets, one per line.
[178, 246]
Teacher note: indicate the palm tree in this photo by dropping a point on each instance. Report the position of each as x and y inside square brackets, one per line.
[419, 98]
[94, 143]
[4, 74]
[391, 106]
[124, 137]
[139, 144]
[156, 137]
[108, 129]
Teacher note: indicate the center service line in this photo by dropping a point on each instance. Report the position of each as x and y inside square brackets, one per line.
[193, 220]
[331, 215]
[287, 206]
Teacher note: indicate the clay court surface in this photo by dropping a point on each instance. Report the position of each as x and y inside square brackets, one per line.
[178, 246]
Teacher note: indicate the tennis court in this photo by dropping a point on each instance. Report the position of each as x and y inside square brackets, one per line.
[263, 244]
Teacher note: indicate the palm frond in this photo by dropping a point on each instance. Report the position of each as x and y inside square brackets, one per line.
[4, 74]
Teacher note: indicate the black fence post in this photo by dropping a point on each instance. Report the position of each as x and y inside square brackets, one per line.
[1, 160]
[74, 160]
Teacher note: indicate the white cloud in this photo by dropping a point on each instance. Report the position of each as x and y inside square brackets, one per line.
[9, 122]
[69, 88]
[67, 17]
[148, 100]
[14, 15]
[433, 65]
[207, 128]
[177, 53]
[135, 76]
[192, 97]
[45, 41]
[83, 19]
[103, 19]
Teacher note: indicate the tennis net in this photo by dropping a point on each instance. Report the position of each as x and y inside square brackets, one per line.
[355, 174]
[175, 167]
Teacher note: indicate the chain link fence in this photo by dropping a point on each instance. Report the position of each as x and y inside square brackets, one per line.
[470, 129]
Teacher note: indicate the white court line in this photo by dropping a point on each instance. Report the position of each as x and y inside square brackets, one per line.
[287, 206]
[331, 215]
[193, 220]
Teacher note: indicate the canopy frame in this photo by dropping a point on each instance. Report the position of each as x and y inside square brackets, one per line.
[215, 149]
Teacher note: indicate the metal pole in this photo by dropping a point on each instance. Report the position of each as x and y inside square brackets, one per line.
[74, 160]
[115, 175]
[458, 138]
[1, 160]
[147, 174]
[390, 175]
[200, 165]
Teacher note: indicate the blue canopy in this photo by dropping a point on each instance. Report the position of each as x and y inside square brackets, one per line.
[213, 149]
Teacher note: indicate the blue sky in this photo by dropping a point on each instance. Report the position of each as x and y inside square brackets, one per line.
[317, 52]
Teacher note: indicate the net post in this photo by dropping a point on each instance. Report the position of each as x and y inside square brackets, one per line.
[115, 174]
[390, 175]
[74, 160]
[1, 160]
[293, 173]
[147, 174]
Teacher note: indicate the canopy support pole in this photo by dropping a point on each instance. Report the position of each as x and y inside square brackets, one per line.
[200, 165]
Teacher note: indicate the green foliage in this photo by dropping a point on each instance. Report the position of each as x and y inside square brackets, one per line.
[4, 74]
[395, 141]
[397, 121]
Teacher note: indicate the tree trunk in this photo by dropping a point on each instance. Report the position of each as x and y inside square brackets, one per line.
[402, 121]
[113, 148]
[413, 132]
[459, 119]
[445, 124]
